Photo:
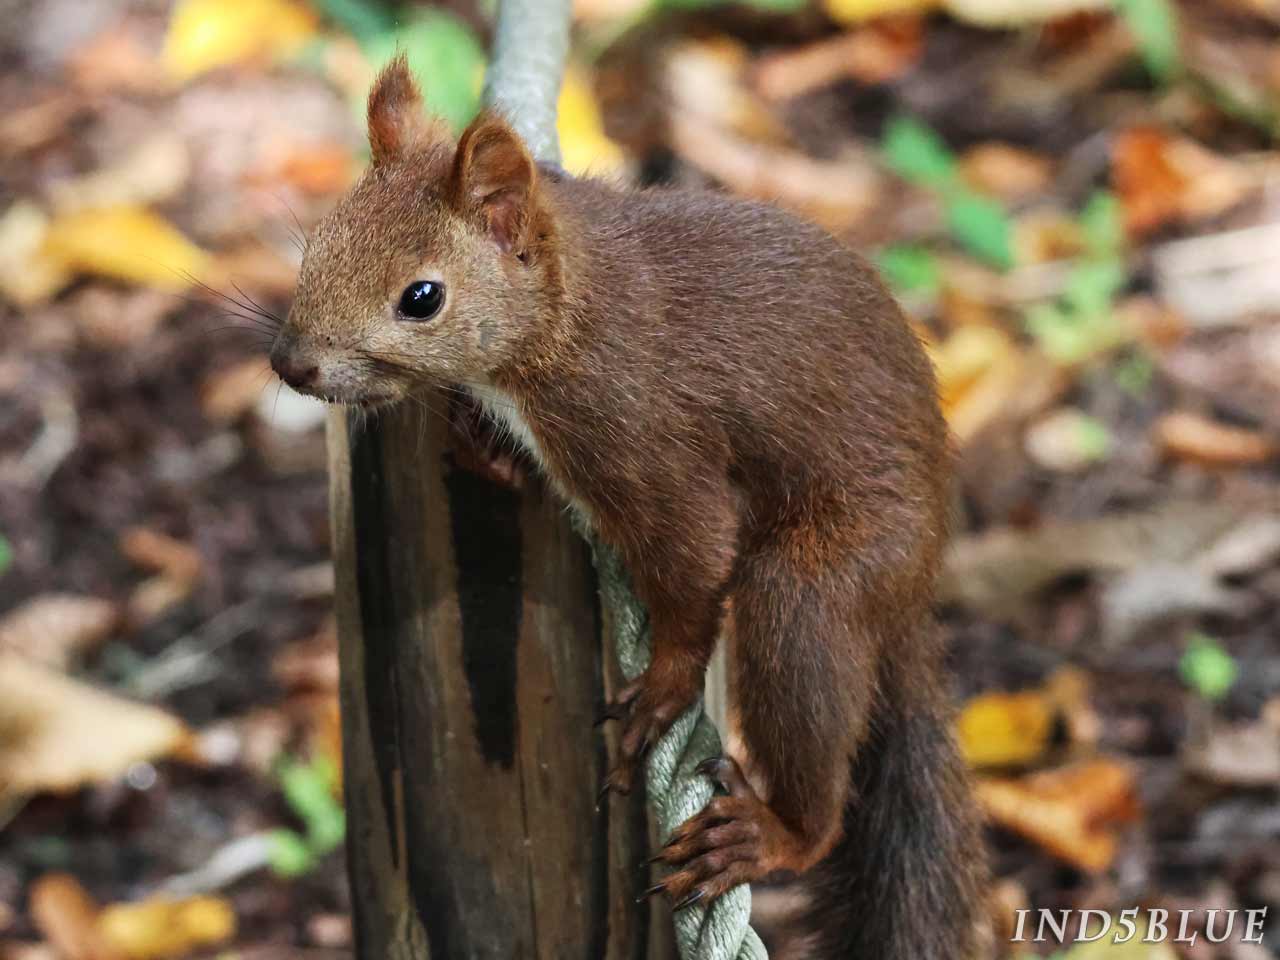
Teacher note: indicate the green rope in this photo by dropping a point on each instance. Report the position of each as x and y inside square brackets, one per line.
[721, 931]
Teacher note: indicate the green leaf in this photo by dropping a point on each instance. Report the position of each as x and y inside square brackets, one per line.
[1155, 26]
[1093, 438]
[445, 56]
[910, 268]
[1103, 225]
[917, 153]
[1207, 668]
[6, 555]
[1092, 286]
[981, 225]
[289, 855]
[1068, 336]
[308, 789]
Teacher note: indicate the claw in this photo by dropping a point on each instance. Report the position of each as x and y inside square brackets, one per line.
[690, 900]
[707, 767]
[656, 888]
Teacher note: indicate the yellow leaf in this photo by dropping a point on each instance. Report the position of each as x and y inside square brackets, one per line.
[27, 277]
[160, 927]
[859, 11]
[1003, 729]
[583, 145]
[205, 34]
[125, 243]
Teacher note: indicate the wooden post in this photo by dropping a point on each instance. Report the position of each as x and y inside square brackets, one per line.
[472, 670]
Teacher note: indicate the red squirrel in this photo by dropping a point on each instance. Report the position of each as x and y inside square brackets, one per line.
[735, 403]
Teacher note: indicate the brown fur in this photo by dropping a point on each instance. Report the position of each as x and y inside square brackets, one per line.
[740, 409]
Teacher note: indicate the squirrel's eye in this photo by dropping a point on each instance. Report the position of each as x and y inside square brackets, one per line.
[421, 300]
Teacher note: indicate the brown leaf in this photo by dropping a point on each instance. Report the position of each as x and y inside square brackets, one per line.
[1161, 180]
[116, 60]
[66, 915]
[310, 665]
[58, 734]
[1005, 171]
[1191, 436]
[320, 169]
[1066, 811]
[160, 552]
[1242, 754]
[54, 627]
[877, 53]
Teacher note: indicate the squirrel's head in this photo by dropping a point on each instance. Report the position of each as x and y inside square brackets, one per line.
[438, 267]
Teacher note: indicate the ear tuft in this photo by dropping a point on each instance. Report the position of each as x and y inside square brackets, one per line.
[494, 175]
[397, 122]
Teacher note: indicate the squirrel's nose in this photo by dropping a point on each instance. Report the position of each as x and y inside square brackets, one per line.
[297, 371]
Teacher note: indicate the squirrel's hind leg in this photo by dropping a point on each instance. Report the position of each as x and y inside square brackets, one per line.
[803, 683]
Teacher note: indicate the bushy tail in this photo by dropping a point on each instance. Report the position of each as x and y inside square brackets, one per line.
[907, 880]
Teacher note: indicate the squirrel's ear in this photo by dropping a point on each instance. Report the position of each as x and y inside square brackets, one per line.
[397, 121]
[494, 175]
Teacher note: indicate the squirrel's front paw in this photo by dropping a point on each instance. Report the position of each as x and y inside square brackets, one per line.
[736, 839]
[476, 447]
[647, 706]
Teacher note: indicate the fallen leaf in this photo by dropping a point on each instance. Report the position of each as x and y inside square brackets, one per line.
[998, 571]
[26, 276]
[1067, 440]
[1016, 13]
[1005, 171]
[310, 665]
[66, 915]
[979, 370]
[1161, 180]
[876, 53]
[835, 194]
[320, 169]
[117, 59]
[160, 552]
[154, 597]
[1005, 729]
[861, 11]
[52, 629]
[205, 34]
[58, 734]
[160, 927]
[1240, 754]
[1068, 811]
[124, 243]
[1191, 436]
[584, 148]
[154, 171]
[111, 318]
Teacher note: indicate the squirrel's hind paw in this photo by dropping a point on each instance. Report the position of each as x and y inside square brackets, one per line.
[736, 839]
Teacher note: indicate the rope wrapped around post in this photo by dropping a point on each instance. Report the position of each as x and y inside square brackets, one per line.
[523, 82]
[676, 792]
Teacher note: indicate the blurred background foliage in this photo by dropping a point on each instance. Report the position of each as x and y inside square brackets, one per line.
[1075, 201]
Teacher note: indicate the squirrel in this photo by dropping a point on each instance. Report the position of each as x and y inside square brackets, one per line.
[736, 404]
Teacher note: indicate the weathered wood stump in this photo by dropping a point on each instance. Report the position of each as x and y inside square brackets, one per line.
[472, 670]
